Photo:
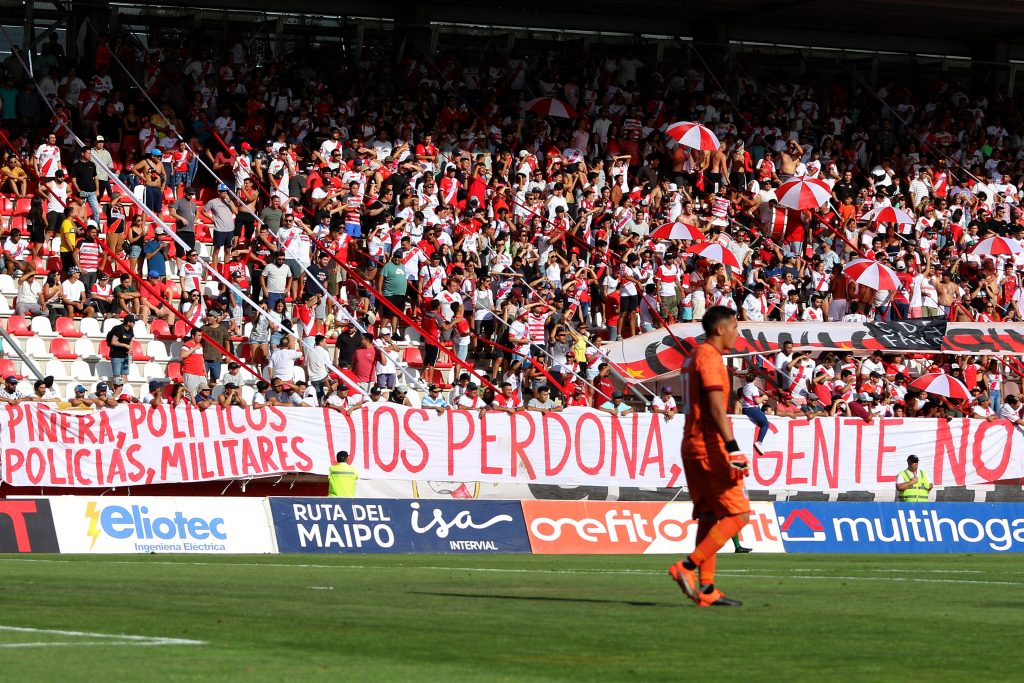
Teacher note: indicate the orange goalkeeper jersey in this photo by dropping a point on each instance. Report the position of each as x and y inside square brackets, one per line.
[703, 370]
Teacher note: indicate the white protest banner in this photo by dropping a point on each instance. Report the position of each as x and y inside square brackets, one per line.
[135, 445]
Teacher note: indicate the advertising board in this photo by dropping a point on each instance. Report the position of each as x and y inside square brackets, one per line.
[335, 525]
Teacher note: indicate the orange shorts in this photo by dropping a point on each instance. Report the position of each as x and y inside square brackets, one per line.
[712, 488]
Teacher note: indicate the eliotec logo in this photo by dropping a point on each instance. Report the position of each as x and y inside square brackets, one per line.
[136, 522]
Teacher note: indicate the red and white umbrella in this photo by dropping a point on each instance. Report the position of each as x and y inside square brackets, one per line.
[997, 246]
[549, 106]
[803, 193]
[572, 155]
[872, 274]
[888, 214]
[677, 231]
[693, 135]
[941, 384]
[713, 251]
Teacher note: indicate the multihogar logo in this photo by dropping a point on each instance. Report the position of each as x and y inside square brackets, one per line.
[136, 522]
[891, 527]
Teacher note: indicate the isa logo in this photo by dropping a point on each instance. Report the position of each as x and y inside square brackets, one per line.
[801, 525]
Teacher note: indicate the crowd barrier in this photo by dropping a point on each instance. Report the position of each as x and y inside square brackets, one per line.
[73, 524]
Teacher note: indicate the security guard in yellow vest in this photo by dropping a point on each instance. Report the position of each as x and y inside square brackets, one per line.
[912, 486]
[341, 478]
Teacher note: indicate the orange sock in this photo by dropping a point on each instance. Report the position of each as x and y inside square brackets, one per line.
[707, 567]
[717, 537]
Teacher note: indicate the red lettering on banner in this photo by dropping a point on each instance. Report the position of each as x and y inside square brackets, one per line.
[176, 431]
[619, 437]
[883, 449]
[364, 429]
[136, 417]
[858, 424]
[139, 469]
[821, 455]
[250, 461]
[654, 452]
[15, 414]
[306, 462]
[46, 426]
[173, 457]
[54, 479]
[518, 445]
[455, 444]
[779, 463]
[794, 454]
[391, 433]
[546, 421]
[485, 439]
[282, 419]
[157, 429]
[117, 473]
[580, 441]
[944, 448]
[411, 434]
[981, 467]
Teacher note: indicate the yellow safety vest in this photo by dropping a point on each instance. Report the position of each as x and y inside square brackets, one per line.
[918, 493]
[341, 480]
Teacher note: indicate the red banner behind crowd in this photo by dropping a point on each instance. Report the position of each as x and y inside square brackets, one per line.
[135, 445]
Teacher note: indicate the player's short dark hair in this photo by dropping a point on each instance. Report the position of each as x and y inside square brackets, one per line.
[715, 316]
[342, 456]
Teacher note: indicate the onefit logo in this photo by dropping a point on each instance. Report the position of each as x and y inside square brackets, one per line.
[26, 526]
[802, 525]
[121, 523]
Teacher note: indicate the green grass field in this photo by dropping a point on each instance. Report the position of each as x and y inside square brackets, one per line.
[506, 618]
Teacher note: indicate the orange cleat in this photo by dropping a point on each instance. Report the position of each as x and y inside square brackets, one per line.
[687, 580]
[716, 598]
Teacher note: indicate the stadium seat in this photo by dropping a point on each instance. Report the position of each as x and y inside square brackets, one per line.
[173, 292]
[18, 326]
[55, 368]
[7, 368]
[61, 348]
[84, 348]
[91, 328]
[36, 349]
[23, 206]
[19, 223]
[104, 350]
[5, 305]
[161, 330]
[141, 331]
[137, 354]
[247, 393]
[7, 285]
[6, 205]
[157, 350]
[181, 329]
[174, 371]
[41, 325]
[66, 328]
[151, 370]
[109, 324]
[81, 371]
[413, 357]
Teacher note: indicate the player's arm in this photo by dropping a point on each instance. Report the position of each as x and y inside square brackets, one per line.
[716, 411]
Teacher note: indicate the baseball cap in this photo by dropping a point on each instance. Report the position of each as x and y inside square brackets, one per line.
[375, 390]
[246, 146]
[343, 387]
[99, 138]
[102, 386]
[233, 365]
[79, 389]
[433, 387]
[73, 270]
[666, 390]
[385, 330]
[222, 188]
[617, 394]
[156, 153]
[11, 379]
[912, 458]
[118, 381]
[203, 387]
[865, 396]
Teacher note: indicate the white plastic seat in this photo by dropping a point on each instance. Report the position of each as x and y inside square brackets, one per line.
[5, 305]
[84, 348]
[7, 285]
[36, 349]
[141, 331]
[158, 350]
[56, 369]
[41, 326]
[299, 374]
[109, 324]
[80, 371]
[153, 371]
[90, 327]
[247, 393]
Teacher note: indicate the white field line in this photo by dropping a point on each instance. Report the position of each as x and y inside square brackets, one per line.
[793, 573]
[111, 639]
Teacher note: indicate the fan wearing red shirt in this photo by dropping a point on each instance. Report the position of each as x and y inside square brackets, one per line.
[507, 401]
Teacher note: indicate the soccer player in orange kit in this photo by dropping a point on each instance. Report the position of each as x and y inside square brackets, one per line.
[712, 461]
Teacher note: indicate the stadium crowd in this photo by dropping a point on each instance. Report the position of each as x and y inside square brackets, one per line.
[361, 214]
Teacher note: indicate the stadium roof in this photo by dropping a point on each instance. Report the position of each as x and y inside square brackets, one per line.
[982, 22]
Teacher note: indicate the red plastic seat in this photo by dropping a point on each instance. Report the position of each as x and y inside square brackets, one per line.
[172, 292]
[19, 223]
[7, 368]
[104, 350]
[181, 329]
[23, 206]
[413, 356]
[62, 350]
[66, 328]
[162, 331]
[138, 354]
[174, 371]
[18, 326]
